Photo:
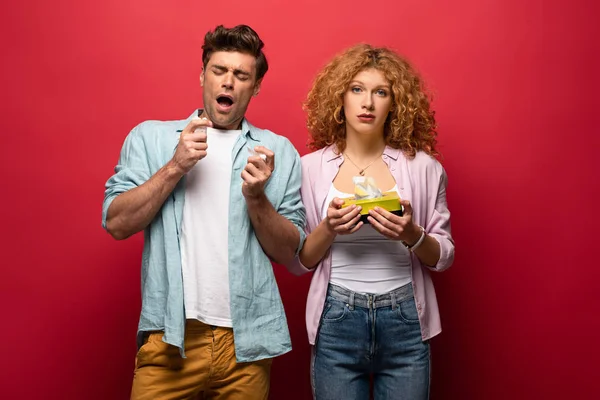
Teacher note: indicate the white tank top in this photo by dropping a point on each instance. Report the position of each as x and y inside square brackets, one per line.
[366, 261]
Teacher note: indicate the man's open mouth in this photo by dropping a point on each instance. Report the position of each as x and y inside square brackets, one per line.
[224, 100]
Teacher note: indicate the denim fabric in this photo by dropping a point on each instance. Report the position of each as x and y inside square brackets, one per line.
[364, 335]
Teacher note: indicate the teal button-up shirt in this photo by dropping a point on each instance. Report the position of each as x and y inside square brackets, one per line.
[259, 322]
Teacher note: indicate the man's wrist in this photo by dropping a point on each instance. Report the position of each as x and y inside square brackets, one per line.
[256, 200]
[174, 170]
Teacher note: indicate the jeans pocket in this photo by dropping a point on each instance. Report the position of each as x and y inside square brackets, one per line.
[407, 310]
[334, 311]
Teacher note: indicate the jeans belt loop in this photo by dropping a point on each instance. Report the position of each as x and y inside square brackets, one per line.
[393, 300]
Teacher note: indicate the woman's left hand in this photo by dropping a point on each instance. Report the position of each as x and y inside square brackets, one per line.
[393, 226]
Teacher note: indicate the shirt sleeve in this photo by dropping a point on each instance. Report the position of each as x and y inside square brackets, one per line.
[295, 266]
[292, 207]
[131, 171]
[438, 224]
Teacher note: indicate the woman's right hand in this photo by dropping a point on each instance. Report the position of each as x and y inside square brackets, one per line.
[342, 221]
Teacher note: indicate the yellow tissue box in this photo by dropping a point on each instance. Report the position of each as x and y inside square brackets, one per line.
[390, 201]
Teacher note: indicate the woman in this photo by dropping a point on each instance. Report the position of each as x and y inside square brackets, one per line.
[372, 308]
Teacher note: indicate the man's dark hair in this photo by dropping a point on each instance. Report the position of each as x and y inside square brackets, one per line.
[240, 38]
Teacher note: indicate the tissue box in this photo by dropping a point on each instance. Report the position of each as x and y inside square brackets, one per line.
[390, 201]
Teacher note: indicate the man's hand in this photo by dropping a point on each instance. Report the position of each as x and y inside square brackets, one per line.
[192, 145]
[257, 172]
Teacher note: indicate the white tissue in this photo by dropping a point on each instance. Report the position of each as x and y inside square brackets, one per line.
[255, 153]
[365, 188]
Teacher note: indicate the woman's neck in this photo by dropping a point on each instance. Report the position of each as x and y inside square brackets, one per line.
[364, 147]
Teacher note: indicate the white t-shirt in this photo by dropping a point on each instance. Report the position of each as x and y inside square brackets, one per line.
[366, 261]
[204, 238]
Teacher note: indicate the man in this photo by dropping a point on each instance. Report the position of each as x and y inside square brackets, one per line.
[215, 208]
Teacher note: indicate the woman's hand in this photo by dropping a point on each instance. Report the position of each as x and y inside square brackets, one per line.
[395, 227]
[338, 221]
[342, 221]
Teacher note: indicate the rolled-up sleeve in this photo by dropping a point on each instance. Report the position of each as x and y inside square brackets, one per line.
[438, 225]
[295, 266]
[131, 171]
[291, 206]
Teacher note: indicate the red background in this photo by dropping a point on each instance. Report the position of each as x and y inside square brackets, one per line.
[516, 88]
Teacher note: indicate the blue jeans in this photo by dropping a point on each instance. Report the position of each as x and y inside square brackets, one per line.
[364, 336]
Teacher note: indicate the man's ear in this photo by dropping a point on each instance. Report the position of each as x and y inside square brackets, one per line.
[257, 87]
[202, 78]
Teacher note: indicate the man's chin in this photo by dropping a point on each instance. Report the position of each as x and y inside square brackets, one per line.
[225, 123]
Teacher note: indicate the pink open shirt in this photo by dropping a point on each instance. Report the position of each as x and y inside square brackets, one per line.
[422, 181]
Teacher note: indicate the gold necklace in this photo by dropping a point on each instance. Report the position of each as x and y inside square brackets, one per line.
[361, 171]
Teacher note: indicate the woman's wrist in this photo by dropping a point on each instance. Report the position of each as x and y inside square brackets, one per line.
[327, 228]
[417, 239]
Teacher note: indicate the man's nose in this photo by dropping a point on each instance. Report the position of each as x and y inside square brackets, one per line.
[228, 81]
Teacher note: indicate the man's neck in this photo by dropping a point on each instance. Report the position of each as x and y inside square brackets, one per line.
[233, 127]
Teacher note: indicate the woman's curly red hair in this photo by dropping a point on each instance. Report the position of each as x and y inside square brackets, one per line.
[410, 126]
